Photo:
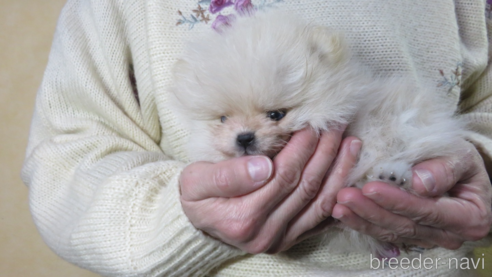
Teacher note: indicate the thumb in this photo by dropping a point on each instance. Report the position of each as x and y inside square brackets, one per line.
[436, 176]
[228, 178]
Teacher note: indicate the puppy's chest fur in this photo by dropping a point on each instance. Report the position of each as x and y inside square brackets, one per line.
[245, 89]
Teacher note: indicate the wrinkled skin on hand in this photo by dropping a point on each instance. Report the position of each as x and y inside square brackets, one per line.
[433, 219]
[264, 206]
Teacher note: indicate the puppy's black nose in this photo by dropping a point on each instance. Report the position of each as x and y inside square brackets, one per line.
[245, 139]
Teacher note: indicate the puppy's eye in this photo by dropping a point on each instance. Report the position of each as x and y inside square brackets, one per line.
[223, 118]
[276, 115]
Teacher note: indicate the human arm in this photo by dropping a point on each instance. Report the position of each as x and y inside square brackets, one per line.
[103, 194]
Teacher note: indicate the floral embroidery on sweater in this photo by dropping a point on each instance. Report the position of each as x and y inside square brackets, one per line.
[453, 80]
[208, 9]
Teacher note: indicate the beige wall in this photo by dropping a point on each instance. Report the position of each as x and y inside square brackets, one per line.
[26, 31]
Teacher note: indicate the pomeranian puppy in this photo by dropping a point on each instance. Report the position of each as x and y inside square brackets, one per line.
[246, 89]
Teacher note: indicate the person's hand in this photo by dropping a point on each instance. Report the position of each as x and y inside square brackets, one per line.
[393, 215]
[261, 206]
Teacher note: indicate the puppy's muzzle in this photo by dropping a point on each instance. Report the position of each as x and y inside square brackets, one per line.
[245, 140]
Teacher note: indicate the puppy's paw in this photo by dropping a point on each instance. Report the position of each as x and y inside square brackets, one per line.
[397, 173]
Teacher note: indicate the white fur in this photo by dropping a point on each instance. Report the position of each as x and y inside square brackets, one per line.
[275, 61]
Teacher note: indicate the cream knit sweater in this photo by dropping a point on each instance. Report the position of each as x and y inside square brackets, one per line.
[102, 165]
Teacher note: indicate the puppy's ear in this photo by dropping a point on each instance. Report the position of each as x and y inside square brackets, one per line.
[328, 44]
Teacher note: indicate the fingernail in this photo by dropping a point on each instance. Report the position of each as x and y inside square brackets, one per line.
[372, 194]
[355, 146]
[347, 203]
[427, 179]
[336, 214]
[259, 168]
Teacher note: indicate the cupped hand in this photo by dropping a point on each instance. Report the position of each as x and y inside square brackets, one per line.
[451, 205]
[259, 205]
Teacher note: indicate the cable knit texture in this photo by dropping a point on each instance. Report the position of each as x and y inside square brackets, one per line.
[102, 165]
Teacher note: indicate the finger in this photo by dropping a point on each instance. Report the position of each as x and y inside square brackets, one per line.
[320, 208]
[316, 170]
[288, 167]
[469, 220]
[419, 235]
[229, 178]
[437, 176]
[385, 225]
[310, 183]
[352, 221]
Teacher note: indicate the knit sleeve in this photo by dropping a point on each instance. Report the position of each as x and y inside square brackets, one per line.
[476, 98]
[102, 192]
[478, 111]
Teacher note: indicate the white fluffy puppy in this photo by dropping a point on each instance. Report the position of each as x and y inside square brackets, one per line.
[244, 90]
